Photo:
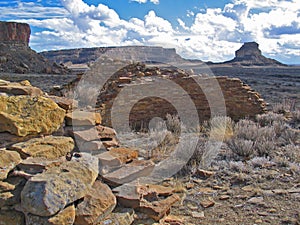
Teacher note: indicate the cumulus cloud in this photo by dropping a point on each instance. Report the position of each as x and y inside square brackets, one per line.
[145, 1]
[211, 34]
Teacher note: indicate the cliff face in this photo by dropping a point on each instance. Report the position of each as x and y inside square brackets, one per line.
[136, 53]
[17, 57]
[250, 55]
[14, 33]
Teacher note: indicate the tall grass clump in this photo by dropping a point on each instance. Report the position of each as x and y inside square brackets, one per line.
[221, 128]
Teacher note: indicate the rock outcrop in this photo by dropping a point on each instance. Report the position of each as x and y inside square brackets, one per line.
[149, 54]
[250, 55]
[17, 57]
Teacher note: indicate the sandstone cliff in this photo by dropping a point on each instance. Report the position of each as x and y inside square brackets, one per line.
[250, 55]
[17, 57]
[150, 54]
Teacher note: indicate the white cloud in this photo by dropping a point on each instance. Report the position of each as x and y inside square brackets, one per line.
[214, 33]
[145, 1]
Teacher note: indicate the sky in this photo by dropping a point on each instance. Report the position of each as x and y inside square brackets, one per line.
[198, 29]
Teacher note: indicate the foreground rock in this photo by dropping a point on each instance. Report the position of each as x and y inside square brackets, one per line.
[64, 217]
[49, 147]
[48, 193]
[82, 118]
[11, 217]
[96, 205]
[153, 200]
[8, 161]
[25, 115]
[22, 88]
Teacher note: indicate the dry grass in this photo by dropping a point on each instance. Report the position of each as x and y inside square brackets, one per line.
[221, 128]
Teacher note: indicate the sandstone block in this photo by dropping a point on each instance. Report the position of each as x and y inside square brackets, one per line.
[64, 217]
[129, 172]
[96, 205]
[25, 115]
[22, 88]
[49, 147]
[8, 161]
[65, 103]
[48, 193]
[82, 118]
[13, 196]
[126, 155]
[124, 217]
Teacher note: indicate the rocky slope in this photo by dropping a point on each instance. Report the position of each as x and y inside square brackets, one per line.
[17, 57]
[250, 55]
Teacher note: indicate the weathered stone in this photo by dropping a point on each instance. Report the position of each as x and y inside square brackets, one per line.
[172, 220]
[82, 118]
[38, 164]
[126, 155]
[106, 135]
[7, 139]
[49, 147]
[204, 173]
[24, 115]
[8, 161]
[65, 103]
[146, 199]
[96, 205]
[13, 196]
[64, 217]
[47, 193]
[198, 215]
[129, 172]
[108, 162]
[207, 203]
[11, 217]
[22, 88]
[124, 216]
[4, 187]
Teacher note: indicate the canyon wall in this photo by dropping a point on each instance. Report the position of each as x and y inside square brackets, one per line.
[17, 57]
[14, 33]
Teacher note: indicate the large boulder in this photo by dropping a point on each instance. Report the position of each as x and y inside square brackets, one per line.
[48, 193]
[25, 115]
[96, 205]
[49, 147]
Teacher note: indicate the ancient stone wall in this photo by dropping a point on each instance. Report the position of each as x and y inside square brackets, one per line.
[14, 33]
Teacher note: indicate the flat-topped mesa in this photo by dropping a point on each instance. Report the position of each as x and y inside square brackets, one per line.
[14, 33]
[250, 55]
[17, 57]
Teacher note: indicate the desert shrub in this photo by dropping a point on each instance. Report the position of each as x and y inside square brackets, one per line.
[289, 136]
[264, 146]
[241, 147]
[239, 166]
[269, 118]
[279, 127]
[221, 128]
[284, 107]
[173, 124]
[260, 161]
[246, 129]
[295, 119]
[292, 152]
[267, 133]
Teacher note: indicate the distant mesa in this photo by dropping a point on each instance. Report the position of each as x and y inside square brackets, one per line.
[250, 55]
[17, 57]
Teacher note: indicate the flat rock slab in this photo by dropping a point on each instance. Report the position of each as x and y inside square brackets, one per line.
[101, 133]
[129, 172]
[8, 161]
[153, 200]
[48, 193]
[83, 118]
[34, 165]
[125, 155]
[49, 147]
[25, 115]
[64, 217]
[96, 205]
[22, 88]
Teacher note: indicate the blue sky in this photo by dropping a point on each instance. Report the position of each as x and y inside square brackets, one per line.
[202, 29]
